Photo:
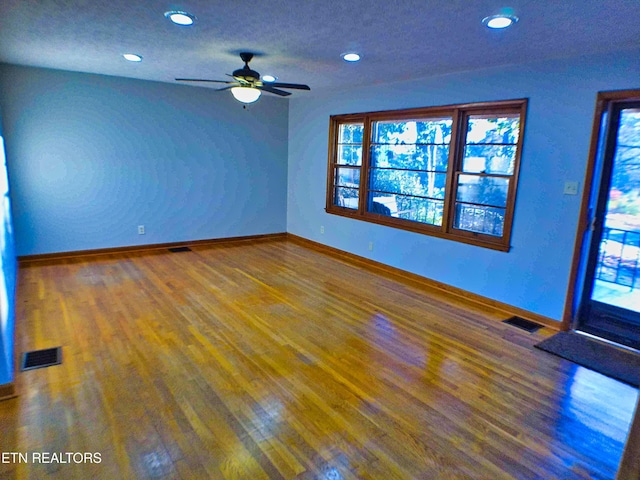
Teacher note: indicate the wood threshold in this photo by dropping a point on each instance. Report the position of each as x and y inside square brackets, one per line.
[8, 391]
[25, 259]
[428, 283]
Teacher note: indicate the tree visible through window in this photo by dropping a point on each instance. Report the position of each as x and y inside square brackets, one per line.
[446, 171]
[487, 167]
[408, 169]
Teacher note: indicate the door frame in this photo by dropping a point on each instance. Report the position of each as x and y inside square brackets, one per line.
[581, 248]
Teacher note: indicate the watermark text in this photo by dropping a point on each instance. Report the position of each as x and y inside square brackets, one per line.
[51, 457]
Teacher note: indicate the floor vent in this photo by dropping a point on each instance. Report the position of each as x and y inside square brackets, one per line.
[523, 324]
[42, 358]
[179, 249]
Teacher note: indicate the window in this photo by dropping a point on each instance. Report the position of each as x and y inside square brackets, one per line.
[349, 161]
[445, 171]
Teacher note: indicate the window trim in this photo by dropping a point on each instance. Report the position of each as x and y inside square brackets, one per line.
[459, 114]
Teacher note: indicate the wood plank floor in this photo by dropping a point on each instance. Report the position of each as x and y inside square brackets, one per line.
[271, 360]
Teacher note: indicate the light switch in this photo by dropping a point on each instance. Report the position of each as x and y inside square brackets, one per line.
[570, 188]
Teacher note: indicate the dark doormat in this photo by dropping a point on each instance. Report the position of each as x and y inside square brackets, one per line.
[602, 357]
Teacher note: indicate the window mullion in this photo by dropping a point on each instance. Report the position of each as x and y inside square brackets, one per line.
[364, 169]
[333, 152]
[452, 167]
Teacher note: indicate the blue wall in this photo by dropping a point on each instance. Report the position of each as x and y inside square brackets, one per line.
[534, 274]
[8, 270]
[92, 157]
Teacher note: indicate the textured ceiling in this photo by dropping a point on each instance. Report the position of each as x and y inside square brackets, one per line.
[301, 41]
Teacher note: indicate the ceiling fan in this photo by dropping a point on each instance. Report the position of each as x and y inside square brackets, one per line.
[246, 86]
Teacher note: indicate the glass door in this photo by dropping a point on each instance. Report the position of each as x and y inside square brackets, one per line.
[610, 305]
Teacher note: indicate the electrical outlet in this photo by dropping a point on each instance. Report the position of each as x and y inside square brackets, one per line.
[140, 229]
[570, 188]
[371, 246]
[322, 229]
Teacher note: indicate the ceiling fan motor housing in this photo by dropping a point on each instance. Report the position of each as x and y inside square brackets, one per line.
[247, 74]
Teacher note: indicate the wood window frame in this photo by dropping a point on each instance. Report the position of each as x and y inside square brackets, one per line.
[459, 114]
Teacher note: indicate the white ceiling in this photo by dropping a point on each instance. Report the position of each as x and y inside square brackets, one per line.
[300, 41]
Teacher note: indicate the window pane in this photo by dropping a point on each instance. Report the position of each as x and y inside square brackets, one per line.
[493, 129]
[489, 159]
[349, 155]
[487, 220]
[483, 190]
[348, 177]
[416, 157]
[436, 131]
[432, 130]
[420, 210]
[351, 133]
[625, 177]
[346, 197]
[425, 184]
[629, 130]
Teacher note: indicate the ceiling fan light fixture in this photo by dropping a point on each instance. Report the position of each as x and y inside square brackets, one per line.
[180, 18]
[245, 94]
[132, 57]
[351, 57]
[498, 22]
[247, 85]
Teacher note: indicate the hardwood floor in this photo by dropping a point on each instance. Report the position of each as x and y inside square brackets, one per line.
[270, 360]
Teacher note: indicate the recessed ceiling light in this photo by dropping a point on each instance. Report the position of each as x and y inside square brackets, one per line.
[180, 18]
[132, 57]
[269, 78]
[351, 57]
[499, 21]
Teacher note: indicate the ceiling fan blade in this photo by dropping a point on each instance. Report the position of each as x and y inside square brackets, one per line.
[269, 89]
[296, 86]
[225, 88]
[201, 80]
